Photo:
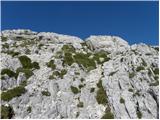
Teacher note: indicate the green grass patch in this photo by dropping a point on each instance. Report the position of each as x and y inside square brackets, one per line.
[101, 96]
[28, 73]
[131, 75]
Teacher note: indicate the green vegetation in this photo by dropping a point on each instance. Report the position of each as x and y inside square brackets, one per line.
[130, 90]
[63, 72]
[144, 63]
[9, 72]
[139, 114]
[26, 62]
[51, 64]
[68, 49]
[15, 92]
[28, 73]
[80, 104]
[6, 112]
[3, 38]
[29, 109]
[46, 93]
[156, 71]
[5, 46]
[155, 83]
[92, 90]
[40, 45]
[35, 65]
[131, 75]
[82, 79]
[101, 96]
[68, 59]
[108, 115]
[81, 86]
[77, 73]
[139, 68]
[74, 90]
[122, 100]
[83, 59]
[12, 53]
[101, 54]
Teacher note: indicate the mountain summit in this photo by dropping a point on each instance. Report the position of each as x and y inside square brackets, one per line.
[49, 75]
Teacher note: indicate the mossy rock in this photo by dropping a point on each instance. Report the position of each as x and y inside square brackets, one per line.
[101, 54]
[7, 112]
[15, 92]
[29, 109]
[156, 71]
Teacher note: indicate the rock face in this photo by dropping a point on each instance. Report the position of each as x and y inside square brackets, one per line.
[48, 75]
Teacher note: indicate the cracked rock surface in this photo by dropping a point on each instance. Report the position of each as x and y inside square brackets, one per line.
[49, 75]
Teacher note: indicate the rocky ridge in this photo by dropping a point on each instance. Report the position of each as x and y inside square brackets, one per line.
[49, 75]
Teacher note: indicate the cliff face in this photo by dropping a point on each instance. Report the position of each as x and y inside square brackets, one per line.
[48, 75]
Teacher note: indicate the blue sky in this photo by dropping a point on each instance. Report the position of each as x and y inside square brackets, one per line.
[134, 21]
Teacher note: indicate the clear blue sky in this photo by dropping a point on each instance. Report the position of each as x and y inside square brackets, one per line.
[133, 21]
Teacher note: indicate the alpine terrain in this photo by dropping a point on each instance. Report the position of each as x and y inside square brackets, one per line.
[49, 75]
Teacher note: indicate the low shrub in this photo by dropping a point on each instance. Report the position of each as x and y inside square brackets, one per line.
[130, 90]
[131, 75]
[80, 104]
[68, 59]
[28, 73]
[9, 72]
[92, 90]
[83, 59]
[68, 49]
[139, 114]
[108, 115]
[63, 72]
[74, 90]
[15, 92]
[35, 65]
[26, 62]
[139, 68]
[101, 96]
[3, 38]
[156, 71]
[122, 100]
[51, 64]
[6, 112]
[46, 93]
[29, 109]
[101, 54]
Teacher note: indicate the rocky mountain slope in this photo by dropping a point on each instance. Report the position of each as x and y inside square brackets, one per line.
[48, 75]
